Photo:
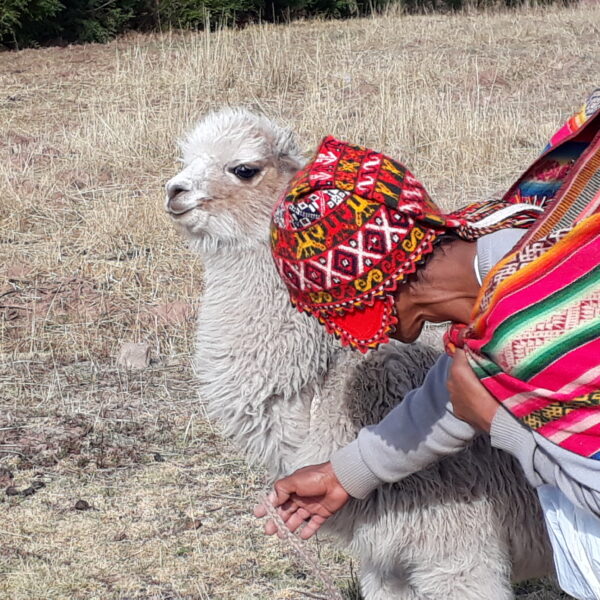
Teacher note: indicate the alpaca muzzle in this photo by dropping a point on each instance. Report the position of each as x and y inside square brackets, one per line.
[180, 202]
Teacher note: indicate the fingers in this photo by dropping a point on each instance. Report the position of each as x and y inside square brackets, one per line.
[286, 510]
[270, 527]
[458, 370]
[460, 358]
[296, 519]
[311, 527]
[277, 497]
[312, 487]
[260, 511]
[282, 491]
[291, 514]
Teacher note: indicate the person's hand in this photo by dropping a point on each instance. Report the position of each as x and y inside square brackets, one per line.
[310, 495]
[471, 401]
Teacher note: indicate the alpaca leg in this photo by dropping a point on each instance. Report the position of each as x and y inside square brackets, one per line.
[379, 584]
[467, 581]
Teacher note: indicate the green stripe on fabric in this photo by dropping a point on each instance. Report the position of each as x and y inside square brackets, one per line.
[560, 346]
[527, 317]
[484, 367]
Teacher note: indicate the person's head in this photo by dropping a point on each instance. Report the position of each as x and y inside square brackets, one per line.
[351, 229]
[350, 238]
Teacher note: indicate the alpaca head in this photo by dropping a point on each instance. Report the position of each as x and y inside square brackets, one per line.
[236, 164]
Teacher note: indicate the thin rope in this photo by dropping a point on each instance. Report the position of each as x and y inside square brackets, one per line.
[302, 551]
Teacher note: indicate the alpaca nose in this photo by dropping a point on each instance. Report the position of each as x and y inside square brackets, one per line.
[175, 187]
[179, 199]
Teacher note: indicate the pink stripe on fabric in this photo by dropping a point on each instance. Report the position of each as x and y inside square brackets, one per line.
[509, 391]
[564, 132]
[586, 443]
[564, 273]
[567, 392]
[579, 367]
[567, 274]
[576, 421]
[526, 404]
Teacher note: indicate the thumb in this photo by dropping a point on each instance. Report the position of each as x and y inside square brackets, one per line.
[282, 490]
[274, 499]
[460, 358]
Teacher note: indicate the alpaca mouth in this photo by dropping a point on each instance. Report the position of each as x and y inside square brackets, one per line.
[182, 203]
[179, 213]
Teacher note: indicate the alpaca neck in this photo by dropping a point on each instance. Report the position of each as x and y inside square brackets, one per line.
[259, 360]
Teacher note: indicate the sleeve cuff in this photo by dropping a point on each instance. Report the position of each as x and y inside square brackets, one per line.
[351, 470]
[508, 434]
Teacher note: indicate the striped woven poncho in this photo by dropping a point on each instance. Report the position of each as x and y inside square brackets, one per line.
[534, 339]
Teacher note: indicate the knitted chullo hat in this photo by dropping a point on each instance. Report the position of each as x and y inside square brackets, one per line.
[351, 226]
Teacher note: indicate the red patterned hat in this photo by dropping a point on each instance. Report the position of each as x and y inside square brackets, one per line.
[352, 225]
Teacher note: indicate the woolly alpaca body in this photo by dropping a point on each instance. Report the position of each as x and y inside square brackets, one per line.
[289, 395]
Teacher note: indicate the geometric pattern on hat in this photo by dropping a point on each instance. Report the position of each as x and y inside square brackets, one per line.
[352, 225]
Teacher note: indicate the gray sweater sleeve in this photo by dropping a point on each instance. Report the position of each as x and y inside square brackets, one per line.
[415, 434]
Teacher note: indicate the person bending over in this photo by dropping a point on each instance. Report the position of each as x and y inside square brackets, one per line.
[362, 248]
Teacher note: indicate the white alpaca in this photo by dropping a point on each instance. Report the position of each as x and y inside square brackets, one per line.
[289, 394]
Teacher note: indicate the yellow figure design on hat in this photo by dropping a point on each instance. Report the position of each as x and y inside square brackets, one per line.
[320, 297]
[415, 235]
[299, 190]
[362, 208]
[381, 188]
[307, 242]
[347, 186]
[348, 166]
[366, 283]
[389, 166]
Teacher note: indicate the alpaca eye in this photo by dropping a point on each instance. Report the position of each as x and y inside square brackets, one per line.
[244, 172]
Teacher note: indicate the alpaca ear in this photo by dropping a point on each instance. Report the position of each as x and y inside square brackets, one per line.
[288, 152]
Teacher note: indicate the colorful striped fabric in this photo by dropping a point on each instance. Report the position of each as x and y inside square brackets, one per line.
[577, 120]
[534, 341]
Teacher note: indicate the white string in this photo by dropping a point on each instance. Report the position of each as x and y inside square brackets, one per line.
[504, 213]
[301, 550]
[476, 269]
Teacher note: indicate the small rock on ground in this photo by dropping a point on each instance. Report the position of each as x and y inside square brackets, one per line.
[134, 355]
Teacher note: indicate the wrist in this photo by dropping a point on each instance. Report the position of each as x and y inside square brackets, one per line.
[334, 484]
[487, 416]
[352, 472]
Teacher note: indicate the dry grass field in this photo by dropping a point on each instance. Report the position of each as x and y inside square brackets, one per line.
[113, 483]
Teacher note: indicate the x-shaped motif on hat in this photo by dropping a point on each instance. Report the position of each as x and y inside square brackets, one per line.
[359, 251]
[387, 229]
[327, 268]
[299, 272]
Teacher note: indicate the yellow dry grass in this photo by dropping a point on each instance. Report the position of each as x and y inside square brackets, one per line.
[88, 260]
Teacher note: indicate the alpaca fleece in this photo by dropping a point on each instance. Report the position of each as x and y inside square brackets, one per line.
[288, 394]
